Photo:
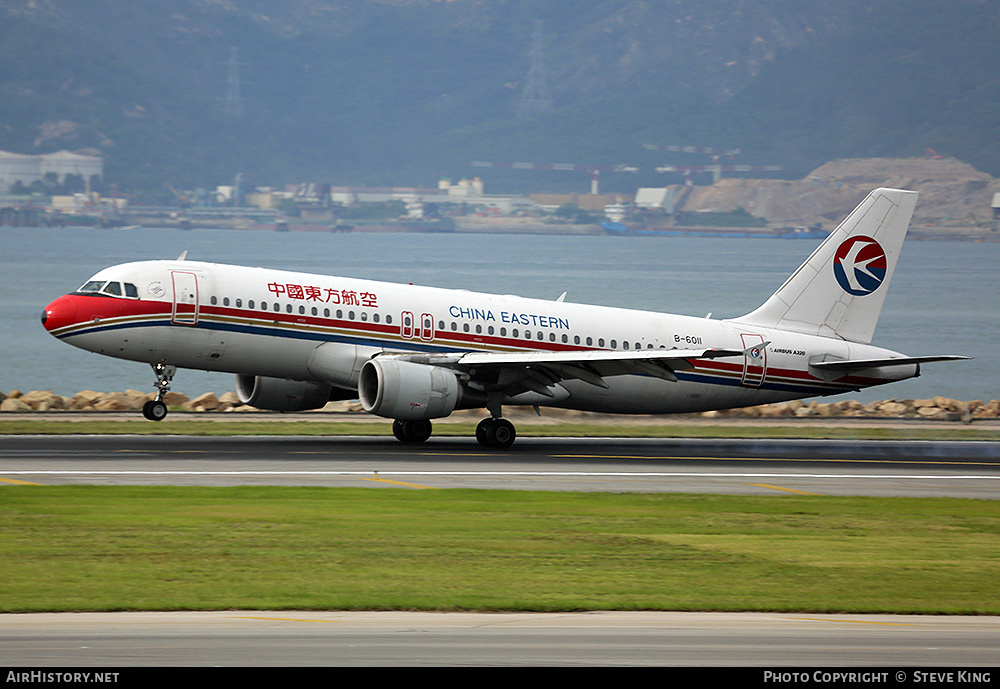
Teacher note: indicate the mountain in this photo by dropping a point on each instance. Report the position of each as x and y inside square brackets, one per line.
[403, 92]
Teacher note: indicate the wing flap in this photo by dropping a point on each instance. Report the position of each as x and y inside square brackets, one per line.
[513, 373]
[591, 366]
[680, 357]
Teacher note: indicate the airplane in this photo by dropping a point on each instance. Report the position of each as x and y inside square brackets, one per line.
[297, 341]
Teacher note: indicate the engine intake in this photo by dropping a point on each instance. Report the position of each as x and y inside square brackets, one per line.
[407, 391]
[278, 394]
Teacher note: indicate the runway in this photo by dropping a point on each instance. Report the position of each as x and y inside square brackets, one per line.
[822, 467]
[276, 638]
[302, 638]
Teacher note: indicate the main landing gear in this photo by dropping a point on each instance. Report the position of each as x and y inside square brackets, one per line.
[411, 431]
[156, 409]
[494, 433]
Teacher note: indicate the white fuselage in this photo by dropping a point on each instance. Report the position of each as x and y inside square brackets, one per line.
[266, 322]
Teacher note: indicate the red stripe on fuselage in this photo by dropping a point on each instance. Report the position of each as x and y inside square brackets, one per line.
[80, 309]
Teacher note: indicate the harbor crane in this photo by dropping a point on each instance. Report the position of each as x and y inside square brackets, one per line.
[594, 170]
[717, 170]
[715, 153]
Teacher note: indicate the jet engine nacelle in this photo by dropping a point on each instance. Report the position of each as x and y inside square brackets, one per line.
[407, 391]
[278, 394]
[340, 364]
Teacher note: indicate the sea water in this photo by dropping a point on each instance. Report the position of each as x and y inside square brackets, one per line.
[943, 298]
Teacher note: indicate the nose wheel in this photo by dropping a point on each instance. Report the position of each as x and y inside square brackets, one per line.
[156, 409]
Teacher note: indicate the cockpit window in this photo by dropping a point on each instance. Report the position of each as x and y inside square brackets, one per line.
[92, 287]
[112, 288]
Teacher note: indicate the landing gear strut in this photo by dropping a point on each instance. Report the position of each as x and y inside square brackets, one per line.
[156, 409]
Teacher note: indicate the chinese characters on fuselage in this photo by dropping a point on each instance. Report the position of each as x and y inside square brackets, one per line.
[327, 295]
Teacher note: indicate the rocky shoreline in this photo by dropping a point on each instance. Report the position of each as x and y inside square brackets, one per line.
[931, 409]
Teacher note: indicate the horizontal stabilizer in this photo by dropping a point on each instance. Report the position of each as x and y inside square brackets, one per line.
[859, 364]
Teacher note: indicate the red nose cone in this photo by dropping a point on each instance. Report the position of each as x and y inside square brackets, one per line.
[59, 313]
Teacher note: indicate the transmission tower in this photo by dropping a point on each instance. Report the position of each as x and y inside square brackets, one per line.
[234, 103]
[536, 99]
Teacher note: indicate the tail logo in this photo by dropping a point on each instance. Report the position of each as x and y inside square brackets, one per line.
[859, 265]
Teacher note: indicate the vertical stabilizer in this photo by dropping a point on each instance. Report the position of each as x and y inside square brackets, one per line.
[840, 289]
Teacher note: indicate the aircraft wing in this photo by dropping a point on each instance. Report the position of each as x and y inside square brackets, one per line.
[516, 372]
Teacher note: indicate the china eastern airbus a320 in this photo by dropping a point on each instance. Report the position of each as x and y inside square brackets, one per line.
[412, 354]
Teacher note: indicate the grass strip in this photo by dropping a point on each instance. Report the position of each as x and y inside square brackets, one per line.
[194, 548]
[184, 426]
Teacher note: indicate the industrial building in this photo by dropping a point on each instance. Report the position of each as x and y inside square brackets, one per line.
[28, 169]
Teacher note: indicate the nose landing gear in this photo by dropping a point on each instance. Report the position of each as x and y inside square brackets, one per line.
[156, 409]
